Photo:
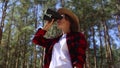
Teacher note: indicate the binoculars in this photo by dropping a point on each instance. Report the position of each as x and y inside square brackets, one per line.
[51, 14]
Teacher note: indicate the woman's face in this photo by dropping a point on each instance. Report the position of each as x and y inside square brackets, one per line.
[63, 24]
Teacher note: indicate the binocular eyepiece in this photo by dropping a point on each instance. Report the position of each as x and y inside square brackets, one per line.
[50, 14]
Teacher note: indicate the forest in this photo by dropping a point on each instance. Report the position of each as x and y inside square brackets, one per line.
[20, 19]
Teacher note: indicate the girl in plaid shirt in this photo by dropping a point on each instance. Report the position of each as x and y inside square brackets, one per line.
[67, 50]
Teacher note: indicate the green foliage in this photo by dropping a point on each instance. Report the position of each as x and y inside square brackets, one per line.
[23, 15]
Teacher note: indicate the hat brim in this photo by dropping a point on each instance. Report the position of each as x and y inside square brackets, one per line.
[69, 13]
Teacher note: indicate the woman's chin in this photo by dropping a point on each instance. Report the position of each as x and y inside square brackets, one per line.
[59, 27]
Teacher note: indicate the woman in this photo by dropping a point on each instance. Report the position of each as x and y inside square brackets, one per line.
[67, 50]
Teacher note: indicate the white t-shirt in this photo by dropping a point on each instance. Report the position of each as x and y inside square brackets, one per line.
[60, 55]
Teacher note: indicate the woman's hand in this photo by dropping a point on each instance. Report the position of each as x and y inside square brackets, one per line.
[48, 25]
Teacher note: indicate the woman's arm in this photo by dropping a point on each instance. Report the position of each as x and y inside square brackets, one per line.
[39, 36]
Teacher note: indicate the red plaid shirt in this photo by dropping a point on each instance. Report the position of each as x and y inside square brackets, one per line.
[76, 43]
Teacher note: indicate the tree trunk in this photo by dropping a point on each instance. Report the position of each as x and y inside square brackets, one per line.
[62, 3]
[118, 23]
[107, 38]
[87, 59]
[16, 64]
[94, 45]
[0, 34]
[3, 18]
[7, 47]
[87, 64]
[35, 52]
[35, 56]
[17, 53]
[107, 45]
[101, 46]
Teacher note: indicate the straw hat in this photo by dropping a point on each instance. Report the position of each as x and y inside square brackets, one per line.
[69, 13]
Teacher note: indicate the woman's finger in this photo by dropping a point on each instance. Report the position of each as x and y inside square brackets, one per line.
[52, 21]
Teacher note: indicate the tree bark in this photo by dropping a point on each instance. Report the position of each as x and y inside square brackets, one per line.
[118, 23]
[3, 18]
[35, 52]
[108, 46]
[35, 56]
[0, 34]
[87, 65]
[94, 45]
[101, 46]
[62, 3]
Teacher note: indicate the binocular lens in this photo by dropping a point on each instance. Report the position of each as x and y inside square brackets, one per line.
[45, 17]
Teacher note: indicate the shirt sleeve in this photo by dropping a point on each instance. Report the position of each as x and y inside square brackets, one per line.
[81, 51]
[39, 39]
